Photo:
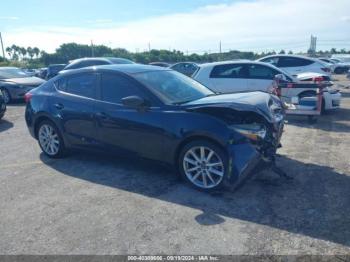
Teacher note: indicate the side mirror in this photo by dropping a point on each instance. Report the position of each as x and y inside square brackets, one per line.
[135, 102]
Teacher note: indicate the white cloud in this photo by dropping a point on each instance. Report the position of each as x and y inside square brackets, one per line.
[255, 25]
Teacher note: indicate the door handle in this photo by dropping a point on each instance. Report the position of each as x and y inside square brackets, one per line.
[102, 115]
[59, 106]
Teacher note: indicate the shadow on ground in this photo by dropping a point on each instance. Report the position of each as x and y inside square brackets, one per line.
[315, 204]
[5, 125]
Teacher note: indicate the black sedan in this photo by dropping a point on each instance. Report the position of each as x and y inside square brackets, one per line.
[15, 83]
[159, 114]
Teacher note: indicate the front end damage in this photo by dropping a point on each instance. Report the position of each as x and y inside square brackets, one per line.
[255, 137]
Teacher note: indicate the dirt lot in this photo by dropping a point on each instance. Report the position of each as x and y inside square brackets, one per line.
[94, 204]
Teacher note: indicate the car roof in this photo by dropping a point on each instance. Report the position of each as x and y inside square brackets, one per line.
[242, 61]
[9, 67]
[123, 68]
[286, 55]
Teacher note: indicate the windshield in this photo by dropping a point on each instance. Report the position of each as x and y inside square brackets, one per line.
[173, 87]
[6, 73]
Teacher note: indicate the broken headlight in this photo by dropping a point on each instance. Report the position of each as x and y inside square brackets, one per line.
[252, 131]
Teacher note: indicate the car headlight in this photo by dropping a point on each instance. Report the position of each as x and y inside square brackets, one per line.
[252, 131]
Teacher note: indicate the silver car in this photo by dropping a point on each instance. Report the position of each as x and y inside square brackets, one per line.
[15, 83]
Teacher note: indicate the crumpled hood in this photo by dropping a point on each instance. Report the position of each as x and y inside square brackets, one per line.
[24, 81]
[257, 102]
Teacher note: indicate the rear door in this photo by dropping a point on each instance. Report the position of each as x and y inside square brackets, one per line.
[260, 77]
[74, 105]
[128, 130]
[229, 78]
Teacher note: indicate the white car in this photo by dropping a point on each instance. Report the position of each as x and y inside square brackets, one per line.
[337, 67]
[243, 76]
[294, 64]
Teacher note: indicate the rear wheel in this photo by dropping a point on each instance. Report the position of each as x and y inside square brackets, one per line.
[203, 165]
[6, 95]
[50, 140]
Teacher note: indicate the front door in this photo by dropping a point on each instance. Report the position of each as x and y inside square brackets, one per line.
[124, 129]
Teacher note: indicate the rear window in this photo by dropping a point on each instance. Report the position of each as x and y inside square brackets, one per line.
[293, 62]
[229, 71]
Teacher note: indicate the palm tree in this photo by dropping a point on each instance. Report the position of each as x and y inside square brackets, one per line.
[30, 52]
[36, 51]
[23, 52]
[9, 51]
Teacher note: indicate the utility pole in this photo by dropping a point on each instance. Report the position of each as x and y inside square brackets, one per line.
[220, 50]
[92, 49]
[149, 47]
[2, 46]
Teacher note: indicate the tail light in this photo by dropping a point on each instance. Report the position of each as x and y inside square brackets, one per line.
[27, 97]
[326, 69]
[318, 79]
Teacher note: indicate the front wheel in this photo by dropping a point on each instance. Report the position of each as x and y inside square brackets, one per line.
[50, 140]
[203, 165]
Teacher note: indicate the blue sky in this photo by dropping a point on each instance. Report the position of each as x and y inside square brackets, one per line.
[187, 25]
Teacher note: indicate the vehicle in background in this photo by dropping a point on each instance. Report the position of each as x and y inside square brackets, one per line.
[294, 64]
[29, 72]
[161, 64]
[248, 76]
[348, 75]
[2, 105]
[53, 70]
[342, 59]
[15, 83]
[186, 68]
[95, 61]
[42, 72]
[336, 67]
[159, 114]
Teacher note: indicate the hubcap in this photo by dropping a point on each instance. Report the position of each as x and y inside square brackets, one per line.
[203, 167]
[48, 140]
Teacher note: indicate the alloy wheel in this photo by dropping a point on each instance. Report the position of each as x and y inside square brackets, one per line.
[203, 167]
[49, 140]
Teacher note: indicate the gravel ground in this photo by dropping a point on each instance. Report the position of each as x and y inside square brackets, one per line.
[98, 204]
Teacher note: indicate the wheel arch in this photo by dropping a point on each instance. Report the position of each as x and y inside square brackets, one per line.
[192, 138]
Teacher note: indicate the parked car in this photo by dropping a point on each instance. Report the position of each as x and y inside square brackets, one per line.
[14, 83]
[29, 71]
[336, 67]
[186, 68]
[42, 72]
[294, 64]
[157, 113]
[2, 105]
[243, 76]
[95, 61]
[161, 64]
[53, 70]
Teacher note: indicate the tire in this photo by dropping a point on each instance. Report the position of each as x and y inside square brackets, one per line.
[50, 140]
[6, 95]
[205, 174]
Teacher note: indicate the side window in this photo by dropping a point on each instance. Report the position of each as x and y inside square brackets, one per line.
[229, 71]
[293, 62]
[115, 87]
[61, 84]
[261, 72]
[82, 85]
[271, 60]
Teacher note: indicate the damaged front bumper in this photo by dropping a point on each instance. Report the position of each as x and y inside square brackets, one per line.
[247, 159]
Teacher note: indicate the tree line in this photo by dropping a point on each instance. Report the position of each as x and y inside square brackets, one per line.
[33, 57]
